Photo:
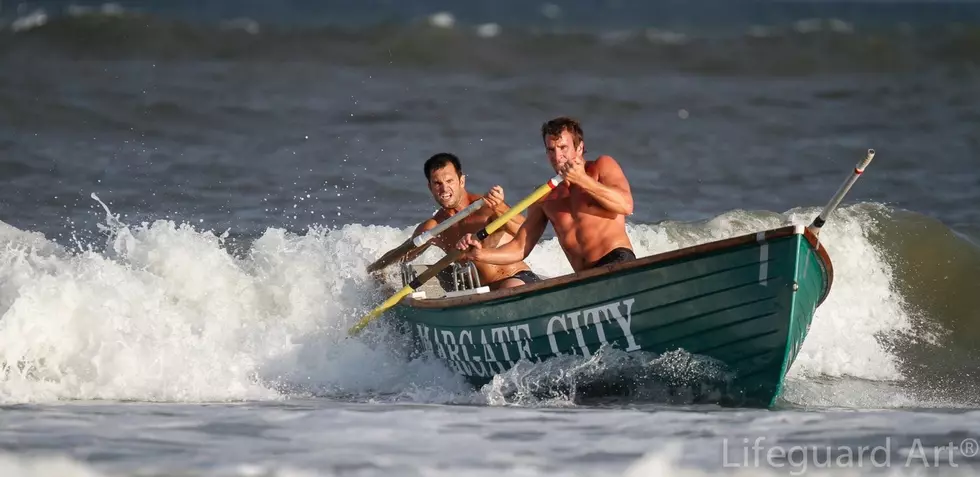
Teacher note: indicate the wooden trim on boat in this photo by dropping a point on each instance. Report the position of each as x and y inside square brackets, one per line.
[828, 265]
[638, 263]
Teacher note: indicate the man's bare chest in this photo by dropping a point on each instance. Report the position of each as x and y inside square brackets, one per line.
[469, 225]
[568, 206]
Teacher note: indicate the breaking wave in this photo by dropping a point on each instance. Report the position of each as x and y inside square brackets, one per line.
[165, 312]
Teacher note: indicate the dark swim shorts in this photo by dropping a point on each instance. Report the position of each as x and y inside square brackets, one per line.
[526, 276]
[617, 255]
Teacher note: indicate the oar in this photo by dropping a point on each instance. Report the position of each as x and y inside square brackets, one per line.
[454, 254]
[835, 201]
[413, 243]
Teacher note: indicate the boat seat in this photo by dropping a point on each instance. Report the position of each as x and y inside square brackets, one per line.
[455, 280]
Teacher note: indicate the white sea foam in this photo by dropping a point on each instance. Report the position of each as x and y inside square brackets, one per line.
[167, 313]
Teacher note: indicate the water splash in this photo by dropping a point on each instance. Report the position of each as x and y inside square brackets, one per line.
[167, 313]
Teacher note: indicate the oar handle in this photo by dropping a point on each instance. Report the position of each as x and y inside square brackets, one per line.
[428, 234]
[839, 196]
[413, 243]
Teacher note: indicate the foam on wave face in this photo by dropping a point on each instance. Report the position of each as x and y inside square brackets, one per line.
[167, 313]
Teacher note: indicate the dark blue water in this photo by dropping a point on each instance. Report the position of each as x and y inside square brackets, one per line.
[584, 14]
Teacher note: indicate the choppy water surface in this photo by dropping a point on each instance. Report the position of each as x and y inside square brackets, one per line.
[254, 159]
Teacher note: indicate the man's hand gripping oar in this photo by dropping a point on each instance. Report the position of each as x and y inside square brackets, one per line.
[452, 256]
[413, 243]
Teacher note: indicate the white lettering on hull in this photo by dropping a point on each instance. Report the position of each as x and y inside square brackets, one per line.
[763, 259]
[479, 356]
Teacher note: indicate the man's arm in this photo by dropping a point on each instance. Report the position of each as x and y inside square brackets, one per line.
[611, 191]
[516, 250]
[495, 200]
[513, 225]
[423, 227]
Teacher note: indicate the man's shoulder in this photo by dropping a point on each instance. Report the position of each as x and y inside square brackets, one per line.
[604, 161]
[605, 165]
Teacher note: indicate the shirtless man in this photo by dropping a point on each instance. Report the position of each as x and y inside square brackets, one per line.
[587, 210]
[448, 186]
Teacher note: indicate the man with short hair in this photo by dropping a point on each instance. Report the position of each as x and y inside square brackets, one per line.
[587, 210]
[447, 184]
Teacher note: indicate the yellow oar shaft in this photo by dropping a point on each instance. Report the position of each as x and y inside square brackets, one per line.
[451, 257]
[381, 309]
[519, 207]
[406, 290]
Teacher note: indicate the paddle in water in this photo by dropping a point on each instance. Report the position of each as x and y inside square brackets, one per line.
[413, 243]
[452, 256]
[835, 201]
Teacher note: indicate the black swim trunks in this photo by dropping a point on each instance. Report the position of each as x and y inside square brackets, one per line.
[617, 255]
[526, 276]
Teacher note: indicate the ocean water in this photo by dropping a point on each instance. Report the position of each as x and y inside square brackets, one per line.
[191, 192]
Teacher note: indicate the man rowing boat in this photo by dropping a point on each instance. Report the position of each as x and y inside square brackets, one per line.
[587, 210]
[447, 184]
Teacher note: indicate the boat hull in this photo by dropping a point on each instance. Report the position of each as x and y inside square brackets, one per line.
[745, 302]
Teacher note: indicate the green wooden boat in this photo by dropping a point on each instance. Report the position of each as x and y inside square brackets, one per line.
[746, 302]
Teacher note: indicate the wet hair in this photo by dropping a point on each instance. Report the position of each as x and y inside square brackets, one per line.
[554, 128]
[439, 161]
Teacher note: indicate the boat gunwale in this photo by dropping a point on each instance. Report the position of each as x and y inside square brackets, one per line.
[681, 253]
